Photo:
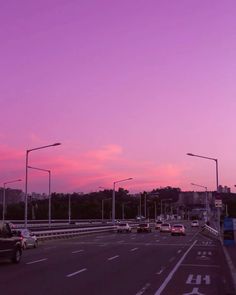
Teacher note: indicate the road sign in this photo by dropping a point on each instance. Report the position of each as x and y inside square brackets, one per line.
[218, 203]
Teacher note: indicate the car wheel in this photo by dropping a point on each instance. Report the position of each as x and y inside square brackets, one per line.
[16, 256]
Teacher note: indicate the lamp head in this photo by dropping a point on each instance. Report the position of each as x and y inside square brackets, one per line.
[57, 143]
[190, 154]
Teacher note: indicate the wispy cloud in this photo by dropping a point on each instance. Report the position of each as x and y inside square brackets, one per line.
[89, 170]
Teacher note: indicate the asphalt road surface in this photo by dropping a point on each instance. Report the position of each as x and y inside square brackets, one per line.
[121, 264]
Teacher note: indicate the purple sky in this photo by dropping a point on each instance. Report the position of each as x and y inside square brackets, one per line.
[128, 87]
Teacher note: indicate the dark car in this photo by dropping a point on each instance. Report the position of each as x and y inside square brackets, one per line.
[10, 245]
[144, 227]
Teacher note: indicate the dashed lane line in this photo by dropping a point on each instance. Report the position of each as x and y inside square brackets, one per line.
[36, 261]
[171, 259]
[134, 249]
[143, 289]
[76, 272]
[77, 251]
[160, 271]
[113, 257]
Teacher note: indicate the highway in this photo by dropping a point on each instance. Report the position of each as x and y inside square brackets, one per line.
[121, 264]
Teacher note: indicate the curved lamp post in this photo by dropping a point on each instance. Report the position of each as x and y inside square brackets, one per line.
[114, 198]
[217, 178]
[26, 175]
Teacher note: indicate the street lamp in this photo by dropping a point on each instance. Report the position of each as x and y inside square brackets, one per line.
[49, 191]
[208, 158]
[206, 202]
[4, 197]
[114, 197]
[217, 179]
[26, 175]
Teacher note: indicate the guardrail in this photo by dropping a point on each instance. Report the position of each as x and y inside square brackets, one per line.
[62, 233]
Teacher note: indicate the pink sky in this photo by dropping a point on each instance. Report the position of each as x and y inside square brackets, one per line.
[128, 87]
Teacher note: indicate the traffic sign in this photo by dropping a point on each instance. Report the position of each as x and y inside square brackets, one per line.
[218, 203]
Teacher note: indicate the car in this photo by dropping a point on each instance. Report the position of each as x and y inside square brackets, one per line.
[10, 245]
[195, 223]
[165, 228]
[158, 224]
[178, 229]
[144, 227]
[29, 239]
[123, 227]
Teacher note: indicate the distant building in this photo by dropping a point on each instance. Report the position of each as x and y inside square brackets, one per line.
[194, 199]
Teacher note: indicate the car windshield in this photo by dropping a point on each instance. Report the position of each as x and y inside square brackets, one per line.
[177, 225]
[165, 224]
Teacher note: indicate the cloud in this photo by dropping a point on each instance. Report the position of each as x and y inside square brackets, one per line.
[86, 171]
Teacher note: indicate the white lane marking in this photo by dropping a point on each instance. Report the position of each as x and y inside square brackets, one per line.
[134, 249]
[157, 241]
[201, 265]
[143, 289]
[113, 257]
[78, 251]
[179, 251]
[170, 275]
[147, 244]
[121, 241]
[36, 261]
[102, 245]
[76, 272]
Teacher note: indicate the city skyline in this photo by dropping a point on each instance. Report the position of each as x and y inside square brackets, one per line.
[128, 88]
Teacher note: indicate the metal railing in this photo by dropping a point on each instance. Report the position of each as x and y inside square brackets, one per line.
[63, 233]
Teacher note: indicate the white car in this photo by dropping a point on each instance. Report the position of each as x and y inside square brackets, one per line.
[123, 227]
[195, 223]
[165, 228]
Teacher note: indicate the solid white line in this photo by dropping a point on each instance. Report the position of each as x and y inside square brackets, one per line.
[134, 249]
[157, 240]
[77, 272]
[36, 261]
[170, 275]
[113, 257]
[78, 251]
[179, 251]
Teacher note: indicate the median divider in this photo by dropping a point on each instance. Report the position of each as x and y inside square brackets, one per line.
[206, 229]
[66, 233]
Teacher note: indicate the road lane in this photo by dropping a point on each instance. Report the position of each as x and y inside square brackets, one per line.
[139, 265]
